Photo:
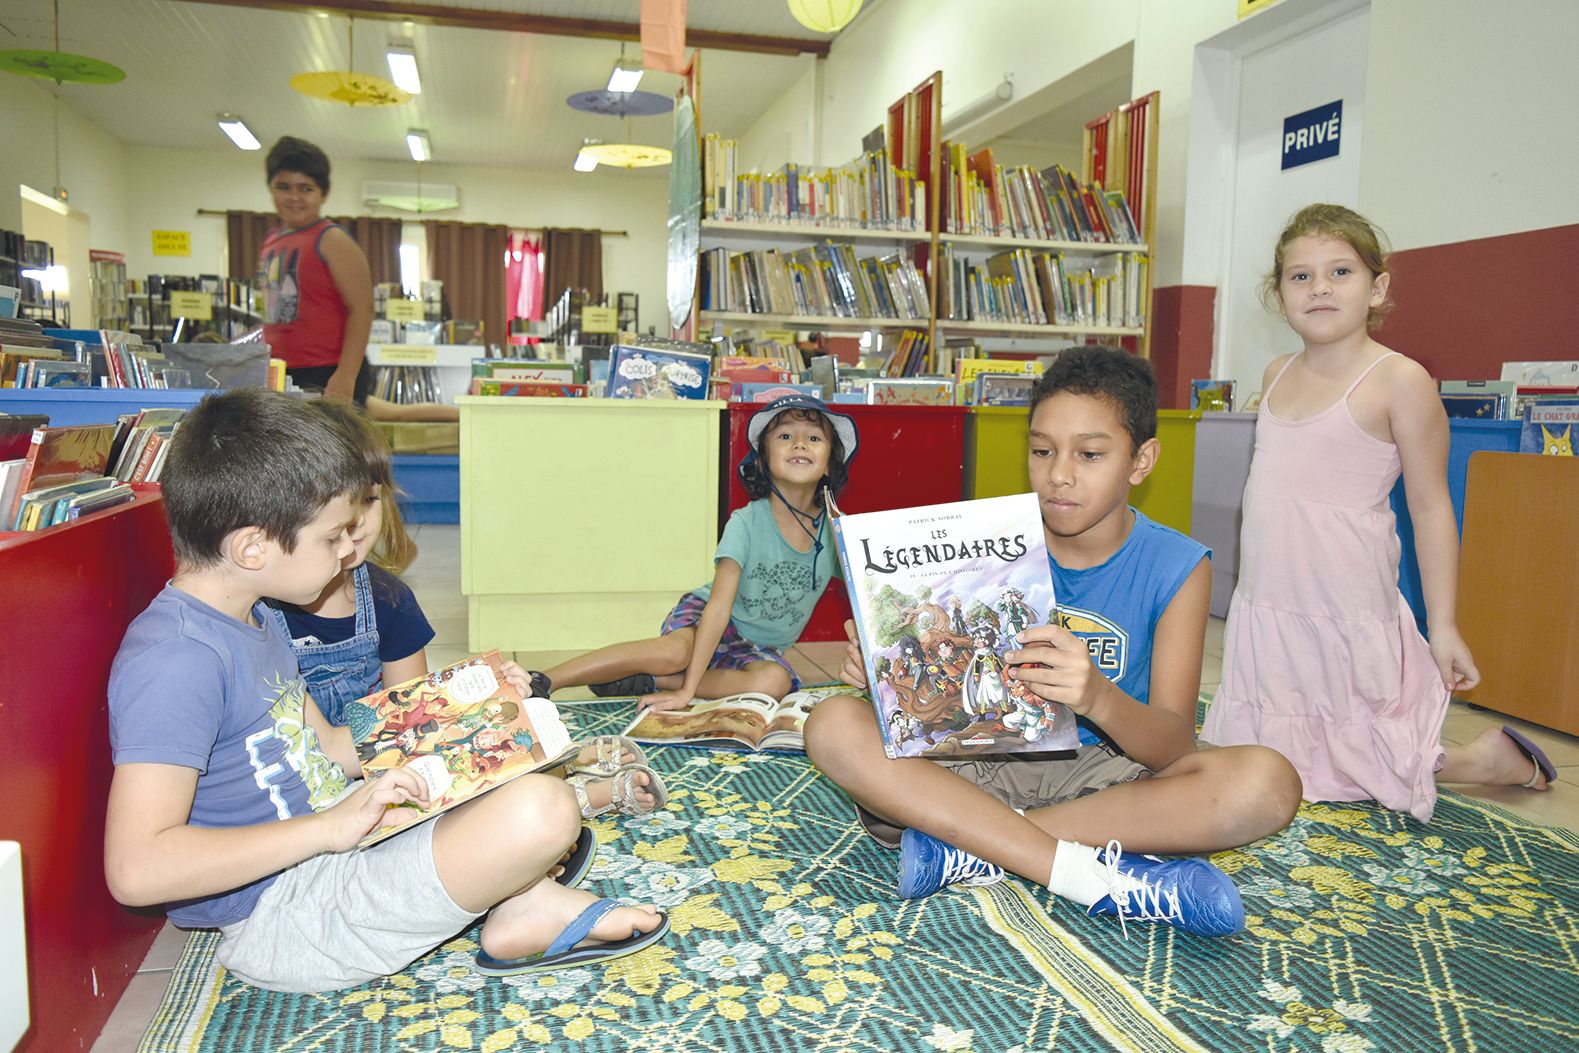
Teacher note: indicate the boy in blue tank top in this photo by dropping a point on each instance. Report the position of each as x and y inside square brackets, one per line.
[1124, 652]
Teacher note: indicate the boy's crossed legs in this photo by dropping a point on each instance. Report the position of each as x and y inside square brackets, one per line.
[345, 918]
[1205, 801]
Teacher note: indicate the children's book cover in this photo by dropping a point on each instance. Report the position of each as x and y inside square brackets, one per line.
[1001, 389]
[63, 455]
[910, 391]
[1212, 396]
[939, 592]
[648, 373]
[464, 728]
[1466, 406]
[1549, 428]
[755, 392]
[541, 389]
[749, 721]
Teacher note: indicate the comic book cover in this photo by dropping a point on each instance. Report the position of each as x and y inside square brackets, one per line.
[939, 592]
[648, 373]
[1549, 428]
[1212, 396]
[464, 728]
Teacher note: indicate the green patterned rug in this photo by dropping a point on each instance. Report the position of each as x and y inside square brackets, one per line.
[1367, 931]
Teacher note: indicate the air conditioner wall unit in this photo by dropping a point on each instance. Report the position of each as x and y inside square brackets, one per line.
[411, 197]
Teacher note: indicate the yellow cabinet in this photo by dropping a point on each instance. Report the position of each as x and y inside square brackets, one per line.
[583, 520]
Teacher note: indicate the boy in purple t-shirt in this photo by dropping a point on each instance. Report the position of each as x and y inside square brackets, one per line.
[233, 798]
[1125, 655]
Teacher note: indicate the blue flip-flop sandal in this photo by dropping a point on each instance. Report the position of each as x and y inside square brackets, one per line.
[580, 860]
[563, 952]
[1543, 763]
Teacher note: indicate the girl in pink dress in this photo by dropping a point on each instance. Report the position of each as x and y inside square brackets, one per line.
[1322, 659]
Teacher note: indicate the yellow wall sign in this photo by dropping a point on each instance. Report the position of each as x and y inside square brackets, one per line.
[172, 242]
[407, 355]
[779, 336]
[1250, 7]
[598, 320]
[198, 306]
[403, 310]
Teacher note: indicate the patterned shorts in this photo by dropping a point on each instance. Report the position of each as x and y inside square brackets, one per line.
[734, 651]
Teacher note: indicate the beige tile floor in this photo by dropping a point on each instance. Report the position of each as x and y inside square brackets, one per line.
[435, 578]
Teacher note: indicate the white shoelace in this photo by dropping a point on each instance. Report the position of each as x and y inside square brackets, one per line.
[1150, 903]
[962, 868]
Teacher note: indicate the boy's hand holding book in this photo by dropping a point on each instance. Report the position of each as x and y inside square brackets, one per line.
[853, 671]
[1057, 665]
[374, 805]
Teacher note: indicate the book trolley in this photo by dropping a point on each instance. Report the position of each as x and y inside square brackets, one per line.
[67, 595]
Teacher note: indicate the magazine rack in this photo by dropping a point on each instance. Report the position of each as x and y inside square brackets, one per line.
[67, 595]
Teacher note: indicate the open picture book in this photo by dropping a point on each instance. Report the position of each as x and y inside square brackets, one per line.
[939, 593]
[748, 721]
[464, 728]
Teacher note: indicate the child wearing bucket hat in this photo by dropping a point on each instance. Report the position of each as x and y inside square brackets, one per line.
[775, 558]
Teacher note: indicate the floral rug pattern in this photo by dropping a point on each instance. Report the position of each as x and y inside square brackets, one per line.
[1367, 931]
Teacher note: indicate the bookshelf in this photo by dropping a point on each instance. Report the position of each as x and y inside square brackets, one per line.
[67, 595]
[954, 226]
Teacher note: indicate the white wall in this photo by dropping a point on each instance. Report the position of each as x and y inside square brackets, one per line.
[166, 187]
[90, 164]
[786, 131]
[1470, 119]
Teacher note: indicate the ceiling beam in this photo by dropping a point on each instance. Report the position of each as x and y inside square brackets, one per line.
[520, 22]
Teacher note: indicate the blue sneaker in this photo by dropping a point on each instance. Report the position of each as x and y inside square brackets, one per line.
[1189, 894]
[927, 864]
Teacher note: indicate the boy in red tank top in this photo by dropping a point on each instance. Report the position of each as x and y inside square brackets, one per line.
[318, 288]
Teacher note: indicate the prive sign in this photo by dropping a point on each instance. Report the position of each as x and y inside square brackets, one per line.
[1312, 135]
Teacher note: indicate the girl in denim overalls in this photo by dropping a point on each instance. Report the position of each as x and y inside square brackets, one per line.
[366, 630]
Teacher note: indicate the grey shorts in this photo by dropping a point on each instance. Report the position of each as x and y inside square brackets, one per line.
[344, 918]
[1030, 782]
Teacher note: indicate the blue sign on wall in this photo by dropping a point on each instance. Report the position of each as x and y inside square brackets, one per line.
[1312, 135]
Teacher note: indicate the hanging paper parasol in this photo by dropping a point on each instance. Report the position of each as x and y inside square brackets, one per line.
[60, 66]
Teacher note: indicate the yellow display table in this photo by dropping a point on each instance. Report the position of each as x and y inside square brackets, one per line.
[583, 520]
[996, 454]
[1167, 493]
[997, 451]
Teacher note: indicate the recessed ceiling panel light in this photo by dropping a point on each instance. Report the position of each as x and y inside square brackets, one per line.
[420, 146]
[403, 68]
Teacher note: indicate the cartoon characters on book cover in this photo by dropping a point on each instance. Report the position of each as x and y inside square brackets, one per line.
[939, 593]
[463, 728]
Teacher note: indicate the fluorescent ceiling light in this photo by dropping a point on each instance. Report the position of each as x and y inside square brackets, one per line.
[625, 76]
[238, 131]
[585, 162]
[403, 68]
[419, 145]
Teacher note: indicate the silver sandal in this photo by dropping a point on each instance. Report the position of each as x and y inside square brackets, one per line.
[623, 793]
[610, 750]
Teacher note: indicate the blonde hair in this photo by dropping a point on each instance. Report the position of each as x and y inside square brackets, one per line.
[1344, 224]
[394, 550]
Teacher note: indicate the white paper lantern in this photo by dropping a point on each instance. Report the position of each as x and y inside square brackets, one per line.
[824, 16]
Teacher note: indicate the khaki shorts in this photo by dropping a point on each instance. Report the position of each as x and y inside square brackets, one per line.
[1028, 782]
[344, 918]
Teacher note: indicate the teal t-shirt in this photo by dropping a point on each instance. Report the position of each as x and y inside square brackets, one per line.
[776, 594]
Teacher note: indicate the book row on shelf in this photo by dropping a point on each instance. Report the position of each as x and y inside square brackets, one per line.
[867, 193]
[826, 280]
[1045, 288]
[34, 357]
[54, 475]
[985, 200]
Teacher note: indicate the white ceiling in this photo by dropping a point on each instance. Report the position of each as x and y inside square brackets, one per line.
[488, 97]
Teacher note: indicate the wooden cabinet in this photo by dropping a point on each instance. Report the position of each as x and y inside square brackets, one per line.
[1518, 591]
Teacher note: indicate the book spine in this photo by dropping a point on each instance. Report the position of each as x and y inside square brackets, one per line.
[29, 465]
